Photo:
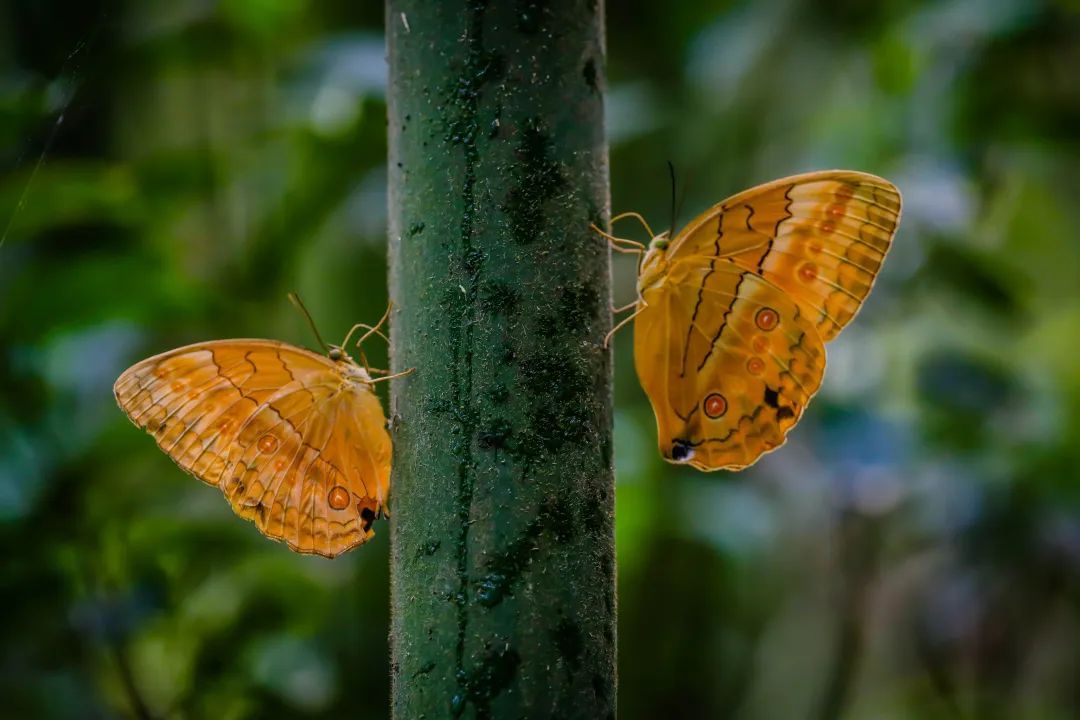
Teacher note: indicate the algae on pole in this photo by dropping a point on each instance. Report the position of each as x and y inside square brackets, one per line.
[502, 495]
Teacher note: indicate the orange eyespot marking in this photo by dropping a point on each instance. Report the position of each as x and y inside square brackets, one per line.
[755, 365]
[845, 192]
[767, 319]
[814, 248]
[338, 497]
[715, 405]
[176, 386]
[281, 463]
[760, 343]
[828, 227]
[225, 425]
[268, 443]
[835, 210]
[808, 272]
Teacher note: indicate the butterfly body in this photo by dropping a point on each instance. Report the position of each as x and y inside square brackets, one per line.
[654, 266]
[734, 310]
[296, 441]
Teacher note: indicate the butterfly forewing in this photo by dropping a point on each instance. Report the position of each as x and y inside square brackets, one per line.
[295, 443]
[820, 237]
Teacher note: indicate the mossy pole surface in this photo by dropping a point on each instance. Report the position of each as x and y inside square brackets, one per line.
[502, 493]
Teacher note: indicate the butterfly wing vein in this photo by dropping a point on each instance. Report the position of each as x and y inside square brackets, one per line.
[295, 446]
[729, 339]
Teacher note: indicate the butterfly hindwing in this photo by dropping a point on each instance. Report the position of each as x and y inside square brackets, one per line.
[728, 361]
[308, 471]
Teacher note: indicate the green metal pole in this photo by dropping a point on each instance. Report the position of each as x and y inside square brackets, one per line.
[502, 495]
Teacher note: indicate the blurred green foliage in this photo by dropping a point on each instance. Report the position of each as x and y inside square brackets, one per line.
[172, 169]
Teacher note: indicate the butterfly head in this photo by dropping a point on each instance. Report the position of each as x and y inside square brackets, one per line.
[348, 366]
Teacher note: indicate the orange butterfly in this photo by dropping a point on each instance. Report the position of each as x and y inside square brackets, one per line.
[296, 440]
[733, 312]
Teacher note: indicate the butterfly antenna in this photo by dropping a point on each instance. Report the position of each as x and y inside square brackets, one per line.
[682, 198]
[671, 173]
[295, 300]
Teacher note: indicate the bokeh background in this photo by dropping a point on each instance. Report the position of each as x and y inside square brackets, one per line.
[171, 168]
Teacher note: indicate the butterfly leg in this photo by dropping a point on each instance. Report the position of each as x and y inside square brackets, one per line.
[640, 219]
[403, 373]
[622, 323]
[359, 326]
[375, 330]
[635, 247]
[638, 250]
[370, 330]
[363, 355]
[628, 251]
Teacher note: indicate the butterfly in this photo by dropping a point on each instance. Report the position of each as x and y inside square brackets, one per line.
[733, 312]
[296, 440]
